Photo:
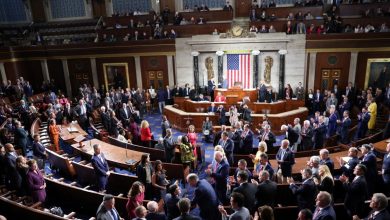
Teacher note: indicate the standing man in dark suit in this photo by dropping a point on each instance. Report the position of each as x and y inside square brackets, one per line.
[324, 209]
[318, 99]
[266, 190]
[221, 176]
[262, 91]
[228, 146]
[290, 134]
[68, 112]
[305, 193]
[169, 146]
[248, 190]
[204, 196]
[246, 114]
[81, 114]
[362, 128]
[356, 191]
[184, 205]
[326, 160]
[350, 93]
[285, 159]
[164, 125]
[267, 136]
[386, 170]
[369, 160]
[21, 137]
[222, 115]
[348, 167]
[12, 177]
[344, 125]
[210, 89]
[162, 98]
[186, 90]
[236, 137]
[106, 118]
[319, 133]
[169, 96]
[332, 124]
[306, 136]
[378, 205]
[39, 151]
[106, 210]
[100, 165]
[246, 145]
[124, 115]
[177, 91]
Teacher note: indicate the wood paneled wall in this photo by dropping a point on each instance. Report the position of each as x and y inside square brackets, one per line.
[342, 63]
[56, 72]
[80, 72]
[37, 10]
[131, 65]
[29, 70]
[156, 63]
[362, 65]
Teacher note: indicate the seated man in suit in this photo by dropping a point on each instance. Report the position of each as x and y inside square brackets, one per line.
[285, 159]
[324, 208]
[220, 98]
[378, 205]
[240, 212]
[201, 98]
[305, 193]
[212, 108]
[100, 165]
[107, 209]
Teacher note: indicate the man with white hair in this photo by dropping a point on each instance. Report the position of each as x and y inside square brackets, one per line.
[221, 175]
[285, 159]
[314, 164]
[326, 160]
[332, 124]
[306, 136]
[378, 205]
[290, 133]
[105, 116]
[297, 129]
[324, 209]
[152, 207]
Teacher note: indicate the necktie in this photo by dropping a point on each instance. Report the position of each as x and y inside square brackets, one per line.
[127, 116]
[316, 213]
[114, 215]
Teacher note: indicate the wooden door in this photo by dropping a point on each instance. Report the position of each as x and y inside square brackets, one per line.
[170, 4]
[330, 77]
[155, 78]
[99, 8]
[243, 8]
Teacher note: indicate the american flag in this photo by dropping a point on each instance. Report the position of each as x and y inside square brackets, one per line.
[238, 69]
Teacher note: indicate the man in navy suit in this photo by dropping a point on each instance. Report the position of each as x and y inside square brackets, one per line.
[332, 124]
[378, 204]
[39, 151]
[184, 206]
[306, 192]
[100, 165]
[386, 170]
[356, 191]
[349, 166]
[324, 209]
[318, 98]
[221, 176]
[13, 179]
[344, 127]
[246, 189]
[21, 137]
[326, 160]
[228, 146]
[290, 134]
[161, 97]
[319, 133]
[369, 160]
[345, 105]
[212, 108]
[285, 159]
[362, 128]
[266, 190]
[246, 145]
[204, 196]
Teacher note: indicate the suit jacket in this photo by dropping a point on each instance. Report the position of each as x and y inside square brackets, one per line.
[169, 146]
[349, 167]
[307, 138]
[100, 167]
[326, 213]
[305, 193]
[104, 214]
[386, 169]
[262, 93]
[266, 193]
[270, 136]
[171, 207]
[247, 143]
[362, 125]
[68, 113]
[187, 217]
[240, 214]
[39, 150]
[288, 161]
[221, 177]
[21, 136]
[382, 215]
[292, 136]
[369, 160]
[328, 162]
[155, 216]
[106, 120]
[177, 92]
[206, 198]
[236, 138]
[228, 147]
[319, 136]
[122, 114]
[13, 179]
[211, 109]
[332, 125]
[356, 194]
[246, 115]
[249, 191]
[326, 185]
[344, 127]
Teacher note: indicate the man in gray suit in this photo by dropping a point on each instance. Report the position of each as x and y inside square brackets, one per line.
[237, 203]
[106, 210]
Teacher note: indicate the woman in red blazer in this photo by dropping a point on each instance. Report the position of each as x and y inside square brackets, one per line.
[146, 134]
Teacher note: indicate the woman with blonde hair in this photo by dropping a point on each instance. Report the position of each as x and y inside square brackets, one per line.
[262, 149]
[325, 181]
[146, 134]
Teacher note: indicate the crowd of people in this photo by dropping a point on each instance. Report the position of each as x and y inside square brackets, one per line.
[251, 191]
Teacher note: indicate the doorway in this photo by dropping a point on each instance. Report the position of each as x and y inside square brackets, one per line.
[155, 78]
[330, 77]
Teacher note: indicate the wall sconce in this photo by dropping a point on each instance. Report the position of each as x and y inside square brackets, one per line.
[282, 52]
[219, 53]
[255, 52]
[195, 53]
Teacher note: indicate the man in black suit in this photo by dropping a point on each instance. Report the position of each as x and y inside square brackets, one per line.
[184, 207]
[350, 93]
[124, 114]
[378, 205]
[356, 191]
[318, 99]
[81, 114]
[212, 108]
[290, 134]
[221, 176]
[246, 189]
[169, 93]
[344, 125]
[262, 92]
[236, 137]
[172, 198]
[100, 166]
[369, 160]
[319, 133]
[285, 159]
[306, 136]
[266, 190]
[348, 166]
[362, 128]
[324, 209]
[246, 145]
[177, 91]
[267, 136]
[222, 115]
[12, 178]
[218, 135]
[21, 137]
[204, 196]
[186, 90]
[67, 112]
[228, 146]
[246, 114]
[105, 117]
[305, 193]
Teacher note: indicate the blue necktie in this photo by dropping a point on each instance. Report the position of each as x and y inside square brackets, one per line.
[114, 215]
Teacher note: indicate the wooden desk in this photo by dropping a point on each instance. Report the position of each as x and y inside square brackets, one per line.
[115, 156]
[70, 136]
[241, 93]
[218, 15]
[381, 146]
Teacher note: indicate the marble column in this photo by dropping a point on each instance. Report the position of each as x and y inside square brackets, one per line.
[312, 70]
[94, 73]
[171, 78]
[195, 55]
[138, 71]
[220, 67]
[255, 54]
[66, 76]
[109, 8]
[45, 70]
[352, 67]
[2, 72]
[282, 69]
